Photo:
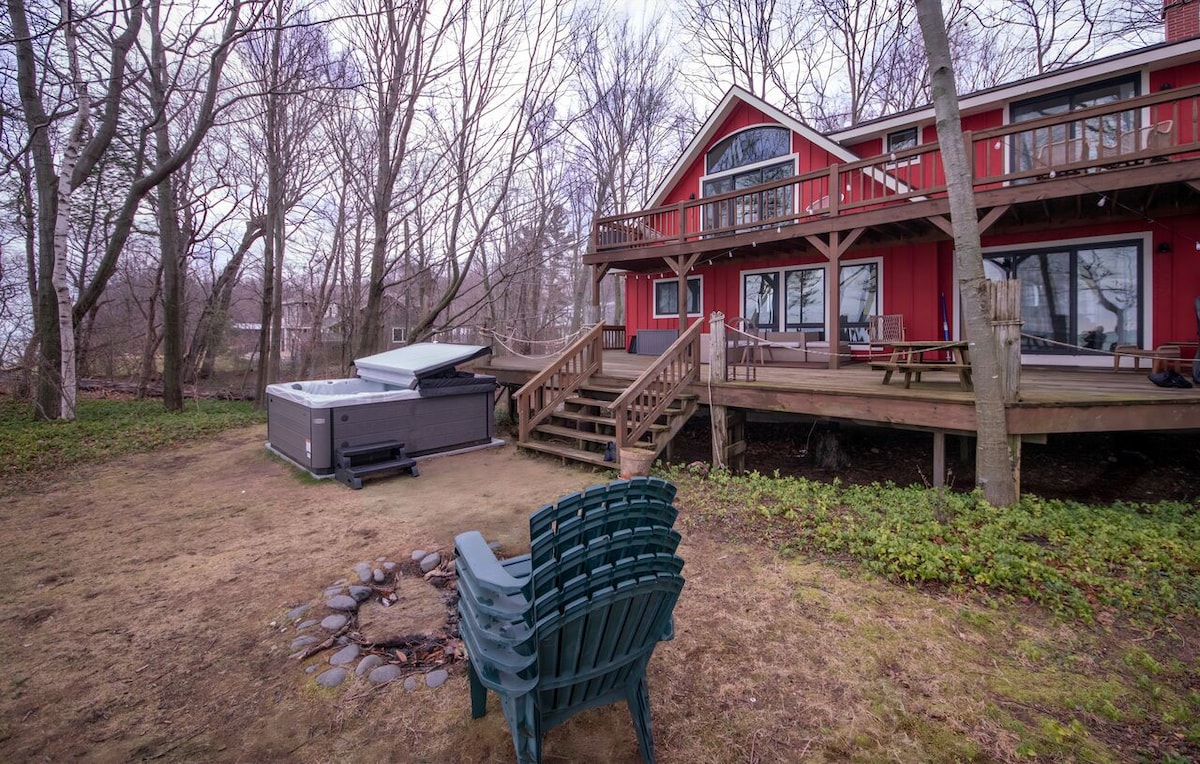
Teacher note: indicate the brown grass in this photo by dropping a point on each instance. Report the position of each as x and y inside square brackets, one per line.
[138, 595]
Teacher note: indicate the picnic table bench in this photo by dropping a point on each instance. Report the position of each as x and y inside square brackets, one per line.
[908, 356]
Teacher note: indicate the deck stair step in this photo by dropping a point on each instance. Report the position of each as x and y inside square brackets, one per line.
[353, 463]
[604, 405]
[568, 452]
[583, 429]
[573, 434]
[579, 416]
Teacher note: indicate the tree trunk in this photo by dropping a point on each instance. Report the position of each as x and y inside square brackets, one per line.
[993, 461]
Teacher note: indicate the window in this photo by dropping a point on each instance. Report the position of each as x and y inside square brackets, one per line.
[1082, 296]
[752, 146]
[1082, 138]
[901, 140]
[742, 161]
[666, 297]
[399, 334]
[859, 299]
[801, 305]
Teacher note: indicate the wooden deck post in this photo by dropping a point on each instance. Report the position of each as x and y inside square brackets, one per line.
[939, 458]
[718, 372]
[1005, 297]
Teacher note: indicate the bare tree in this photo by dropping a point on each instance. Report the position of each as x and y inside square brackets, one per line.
[754, 44]
[85, 143]
[994, 466]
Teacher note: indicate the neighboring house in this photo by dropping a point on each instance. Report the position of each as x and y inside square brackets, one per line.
[1087, 182]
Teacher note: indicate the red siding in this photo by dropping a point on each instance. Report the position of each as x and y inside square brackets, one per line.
[916, 276]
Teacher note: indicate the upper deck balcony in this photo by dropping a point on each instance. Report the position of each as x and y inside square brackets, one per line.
[1131, 147]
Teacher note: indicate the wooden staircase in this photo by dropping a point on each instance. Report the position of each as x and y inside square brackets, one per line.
[573, 411]
[584, 429]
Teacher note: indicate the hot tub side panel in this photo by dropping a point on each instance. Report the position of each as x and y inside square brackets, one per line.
[424, 425]
[300, 433]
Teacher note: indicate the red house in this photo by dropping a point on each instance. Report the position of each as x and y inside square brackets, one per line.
[1087, 182]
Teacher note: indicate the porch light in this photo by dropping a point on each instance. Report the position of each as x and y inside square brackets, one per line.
[1164, 248]
[1102, 201]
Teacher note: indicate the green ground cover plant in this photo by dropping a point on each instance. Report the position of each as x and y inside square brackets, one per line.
[1139, 560]
[106, 428]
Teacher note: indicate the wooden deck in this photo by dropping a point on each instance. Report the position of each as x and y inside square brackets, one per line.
[1053, 400]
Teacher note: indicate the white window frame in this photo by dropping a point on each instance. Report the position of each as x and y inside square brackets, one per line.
[887, 138]
[403, 335]
[1082, 359]
[675, 280]
[780, 271]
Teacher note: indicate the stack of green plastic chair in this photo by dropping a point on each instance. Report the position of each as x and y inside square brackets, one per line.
[572, 625]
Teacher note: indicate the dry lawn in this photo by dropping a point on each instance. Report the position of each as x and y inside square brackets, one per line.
[138, 595]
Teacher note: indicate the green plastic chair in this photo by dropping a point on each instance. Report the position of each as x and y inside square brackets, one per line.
[572, 625]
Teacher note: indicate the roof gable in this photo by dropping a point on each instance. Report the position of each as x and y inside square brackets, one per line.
[717, 119]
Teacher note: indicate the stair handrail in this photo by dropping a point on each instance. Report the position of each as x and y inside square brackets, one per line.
[540, 396]
[652, 393]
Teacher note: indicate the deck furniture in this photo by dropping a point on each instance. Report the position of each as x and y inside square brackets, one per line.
[908, 356]
[884, 330]
[1167, 356]
[1054, 155]
[572, 625]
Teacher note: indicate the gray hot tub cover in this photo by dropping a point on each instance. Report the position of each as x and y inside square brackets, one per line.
[404, 367]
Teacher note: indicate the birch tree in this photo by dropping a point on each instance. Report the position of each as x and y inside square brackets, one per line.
[994, 464]
[87, 139]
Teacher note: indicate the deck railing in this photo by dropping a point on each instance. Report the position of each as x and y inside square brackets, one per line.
[614, 337]
[1155, 127]
[652, 393]
[543, 394]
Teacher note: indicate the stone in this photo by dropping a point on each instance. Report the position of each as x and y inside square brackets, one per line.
[385, 674]
[347, 654]
[430, 561]
[380, 559]
[312, 669]
[342, 602]
[296, 612]
[410, 683]
[436, 678]
[334, 591]
[422, 612]
[361, 593]
[334, 622]
[311, 622]
[368, 663]
[419, 554]
[494, 546]
[389, 566]
[363, 569]
[378, 575]
[302, 642]
[339, 582]
[332, 677]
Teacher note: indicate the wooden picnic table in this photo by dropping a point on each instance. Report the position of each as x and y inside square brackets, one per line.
[908, 356]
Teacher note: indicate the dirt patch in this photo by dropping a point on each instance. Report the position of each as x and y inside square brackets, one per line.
[1094, 468]
[138, 594]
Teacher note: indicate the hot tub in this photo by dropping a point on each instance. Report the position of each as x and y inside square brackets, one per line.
[413, 395]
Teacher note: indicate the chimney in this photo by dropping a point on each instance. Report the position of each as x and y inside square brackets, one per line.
[1182, 19]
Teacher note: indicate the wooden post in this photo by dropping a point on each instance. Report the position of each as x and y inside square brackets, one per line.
[718, 372]
[1005, 299]
[833, 298]
[939, 458]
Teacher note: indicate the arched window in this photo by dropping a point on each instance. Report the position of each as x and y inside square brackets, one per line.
[757, 144]
[743, 160]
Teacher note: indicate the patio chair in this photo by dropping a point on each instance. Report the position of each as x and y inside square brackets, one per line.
[572, 625]
[884, 330]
